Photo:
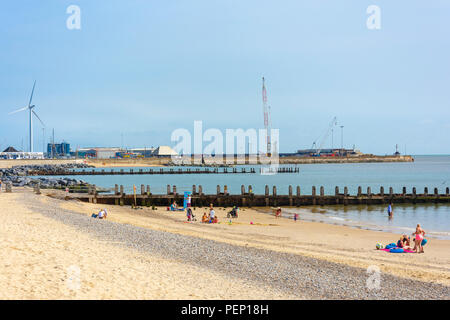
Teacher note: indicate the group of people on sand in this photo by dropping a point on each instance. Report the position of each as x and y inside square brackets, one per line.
[211, 217]
[206, 218]
[418, 237]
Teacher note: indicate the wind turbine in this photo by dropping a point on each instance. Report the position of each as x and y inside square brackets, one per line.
[31, 112]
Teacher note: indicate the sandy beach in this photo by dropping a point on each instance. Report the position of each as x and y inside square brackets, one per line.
[52, 249]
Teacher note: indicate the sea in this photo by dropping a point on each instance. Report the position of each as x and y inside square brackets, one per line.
[425, 171]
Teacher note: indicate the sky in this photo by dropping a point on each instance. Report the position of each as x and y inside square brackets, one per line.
[137, 70]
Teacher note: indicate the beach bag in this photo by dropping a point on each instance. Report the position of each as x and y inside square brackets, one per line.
[391, 245]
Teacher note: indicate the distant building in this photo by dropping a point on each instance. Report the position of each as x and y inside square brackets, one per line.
[335, 152]
[85, 153]
[114, 153]
[12, 153]
[164, 151]
[58, 149]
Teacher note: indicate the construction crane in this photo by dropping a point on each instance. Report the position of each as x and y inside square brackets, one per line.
[266, 118]
[324, 137]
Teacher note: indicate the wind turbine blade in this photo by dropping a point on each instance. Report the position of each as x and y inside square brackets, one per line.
[38, 117]
[21, 109]
[32, 91]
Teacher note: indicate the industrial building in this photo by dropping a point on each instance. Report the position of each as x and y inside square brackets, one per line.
[114, 153]
[58, 150]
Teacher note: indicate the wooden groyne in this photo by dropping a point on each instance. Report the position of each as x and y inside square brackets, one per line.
[104, 172]
[270, 198]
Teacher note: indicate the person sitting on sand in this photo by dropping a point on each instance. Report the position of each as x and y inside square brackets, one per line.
[402, 243]
[205, 218]
[418, 238]
[102, 214]
[212, 213]
[215, 220]
[406, 240]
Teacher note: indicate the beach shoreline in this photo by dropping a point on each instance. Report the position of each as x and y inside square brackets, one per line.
[331, 245]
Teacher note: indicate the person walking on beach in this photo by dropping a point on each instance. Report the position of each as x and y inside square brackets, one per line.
[390, 210]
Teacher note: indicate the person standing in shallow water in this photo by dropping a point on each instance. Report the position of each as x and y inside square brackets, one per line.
[390, 210]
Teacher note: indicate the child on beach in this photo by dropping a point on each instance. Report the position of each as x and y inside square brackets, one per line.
[205, 218]
[212, 213]
[278, 213]
[189, 214]
[295, 217]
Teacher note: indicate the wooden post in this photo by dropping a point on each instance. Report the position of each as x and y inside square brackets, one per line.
[200, 190]
[359, 191]
[250, 189]
[194, 191]
[168, 189]
[298, 191]
[266, 193]
[218, 189]
[274, 195]
[242, 189]
[447, 191]
[148, 190]
[142, 189]
[290, 196]
[313, 193]
[345, 196]
[174, 190]
[382, 191]
[225, 190]
[116, 189]
[425, 191]
[121, 201]
[336, 191]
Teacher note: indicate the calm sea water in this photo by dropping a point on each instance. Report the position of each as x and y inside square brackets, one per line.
[425, 171]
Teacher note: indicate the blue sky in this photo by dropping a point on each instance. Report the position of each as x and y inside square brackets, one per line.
[146, 68]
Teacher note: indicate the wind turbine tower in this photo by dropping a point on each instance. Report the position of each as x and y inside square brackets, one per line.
[30, 108]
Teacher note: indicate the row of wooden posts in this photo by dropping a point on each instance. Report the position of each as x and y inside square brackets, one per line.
[248, 198]
[170, 171]
[146, 191]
